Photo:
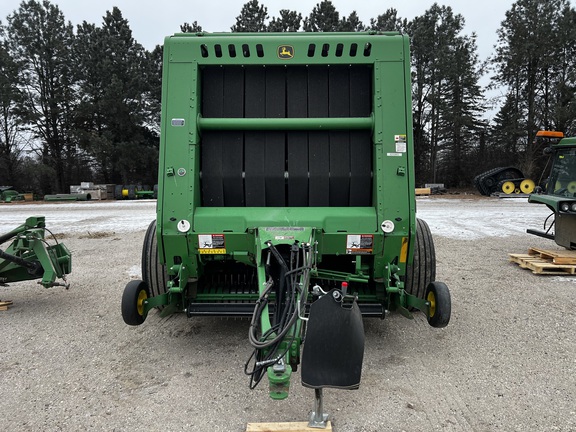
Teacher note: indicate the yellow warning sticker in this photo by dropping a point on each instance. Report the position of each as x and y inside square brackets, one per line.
[212, 251]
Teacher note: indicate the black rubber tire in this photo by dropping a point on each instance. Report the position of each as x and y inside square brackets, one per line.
[153, 273]
[422, 271]
[118, 192]
[135, 293]
[438, 295]
[131, 191]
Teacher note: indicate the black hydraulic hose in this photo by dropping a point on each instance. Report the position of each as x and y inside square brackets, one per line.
[6, 237]
[34, 267]
[265, 351]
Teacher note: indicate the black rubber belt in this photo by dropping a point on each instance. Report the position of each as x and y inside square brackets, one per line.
[297, 142]
[318, 143]
[233, 142]
[339, 106]
[254, 142]
[360, 141]
[275, 157]
[211, 146]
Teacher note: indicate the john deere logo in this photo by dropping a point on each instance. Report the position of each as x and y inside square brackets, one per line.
[285, 52]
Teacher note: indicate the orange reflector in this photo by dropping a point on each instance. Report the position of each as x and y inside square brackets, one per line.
[404, 250]
[549, 134]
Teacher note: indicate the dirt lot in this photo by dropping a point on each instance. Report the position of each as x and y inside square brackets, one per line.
[507, 360]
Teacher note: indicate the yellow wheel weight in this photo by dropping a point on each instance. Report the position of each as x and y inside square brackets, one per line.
[571, 187]
[508, 187]
[432, 300]
[140, 303]
[527, 186]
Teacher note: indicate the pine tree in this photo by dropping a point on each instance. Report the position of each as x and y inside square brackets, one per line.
[252, 18]
[191, 28]
[351, 23]
[535, 61]
[323, 18]
[11, 139]
[388, 21]
[289, 21]
[39, 39]
[119, 84]
[446, 95]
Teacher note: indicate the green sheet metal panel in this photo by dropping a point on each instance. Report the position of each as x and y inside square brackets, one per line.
[390, 123]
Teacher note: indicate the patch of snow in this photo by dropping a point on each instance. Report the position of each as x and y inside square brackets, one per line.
[478, 218]
[458, 218]
[78, 217]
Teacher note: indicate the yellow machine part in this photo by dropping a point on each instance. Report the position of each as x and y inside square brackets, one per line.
[508, 187]
[527, 186]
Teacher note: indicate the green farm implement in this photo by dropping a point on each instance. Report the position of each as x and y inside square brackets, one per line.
[559, 195]
[135, 192]
[7, 194]
[286, 194]
[30, 257]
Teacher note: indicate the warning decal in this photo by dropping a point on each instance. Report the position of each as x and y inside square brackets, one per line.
[359, 244]
[213, 244]
[400, 141]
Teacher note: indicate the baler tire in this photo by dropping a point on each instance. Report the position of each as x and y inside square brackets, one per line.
[153, 273]
[422, 270]
[133, 298]
[438, 295]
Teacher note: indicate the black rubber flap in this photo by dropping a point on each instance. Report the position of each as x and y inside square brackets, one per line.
[334, 347]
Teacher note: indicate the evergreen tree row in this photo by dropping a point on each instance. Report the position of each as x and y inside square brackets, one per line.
[83, 103]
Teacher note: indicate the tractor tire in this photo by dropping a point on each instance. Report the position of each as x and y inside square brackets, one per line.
[153, 273]
[422, 271]
[118, 192]
[438, 295]
[133, 298]
[131, 191]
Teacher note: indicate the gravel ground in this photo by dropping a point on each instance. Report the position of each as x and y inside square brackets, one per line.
[506, 361]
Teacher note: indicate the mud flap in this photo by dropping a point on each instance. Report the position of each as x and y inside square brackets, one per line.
[334, 345]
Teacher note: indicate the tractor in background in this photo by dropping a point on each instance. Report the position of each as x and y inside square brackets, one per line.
[559, 192]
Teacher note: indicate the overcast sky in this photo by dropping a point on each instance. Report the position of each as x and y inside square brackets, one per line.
[151, 20]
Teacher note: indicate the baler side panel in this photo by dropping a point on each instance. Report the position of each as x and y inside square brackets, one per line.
[393, 192]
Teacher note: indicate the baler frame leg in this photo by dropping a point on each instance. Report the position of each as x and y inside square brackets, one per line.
[318, 419]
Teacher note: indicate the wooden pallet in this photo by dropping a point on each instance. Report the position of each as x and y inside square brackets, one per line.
[542, 266]
[4, 305]
[557, 256]
[285, 427]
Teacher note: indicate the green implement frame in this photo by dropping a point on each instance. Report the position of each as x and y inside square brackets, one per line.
[286, 172]
[29, 257]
